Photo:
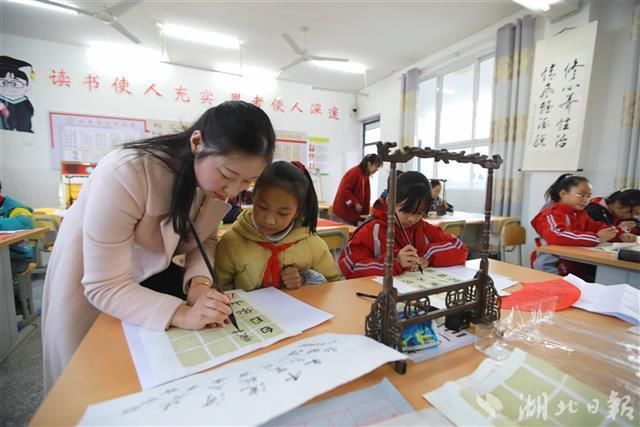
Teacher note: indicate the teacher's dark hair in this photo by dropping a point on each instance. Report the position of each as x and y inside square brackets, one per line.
[231, 127]
[369, 159]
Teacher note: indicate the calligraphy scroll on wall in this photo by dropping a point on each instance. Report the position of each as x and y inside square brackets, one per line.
[559, 96]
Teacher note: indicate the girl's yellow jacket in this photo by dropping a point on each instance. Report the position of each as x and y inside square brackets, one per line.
[240, 261]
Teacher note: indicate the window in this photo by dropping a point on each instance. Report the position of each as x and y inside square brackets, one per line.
[454, 112]
[371, 135]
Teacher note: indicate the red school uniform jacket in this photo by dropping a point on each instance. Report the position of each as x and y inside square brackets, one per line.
[354, 188]
[559, 224]
[598, 210]
[365, 251]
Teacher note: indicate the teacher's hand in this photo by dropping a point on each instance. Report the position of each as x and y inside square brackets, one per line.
[358, 207]
[211, 308]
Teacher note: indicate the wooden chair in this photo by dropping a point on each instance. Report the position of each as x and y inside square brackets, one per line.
[453, 227]
[44, 245]
[24, 292]
[45, 211]
[512, 236]
[335, 239]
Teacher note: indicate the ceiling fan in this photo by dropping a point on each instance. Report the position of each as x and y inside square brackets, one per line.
[108, 15]
[303, 55]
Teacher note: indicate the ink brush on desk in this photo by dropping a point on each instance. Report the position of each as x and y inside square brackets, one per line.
[362, 294]
[214, 278]
[404, 232]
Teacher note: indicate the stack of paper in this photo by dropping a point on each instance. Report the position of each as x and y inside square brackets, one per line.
[524, 390]
[622, 301]
[264, 316]
[251, 391]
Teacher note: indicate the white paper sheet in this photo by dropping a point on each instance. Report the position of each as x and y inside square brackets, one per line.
[459, 272]
[251, 391]
[622, 301]
[499, 281]
[359, 408]
[615, 246]
[14, 231]
[160, 356]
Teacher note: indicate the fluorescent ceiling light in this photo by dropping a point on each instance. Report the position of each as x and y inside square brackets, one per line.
[536, 5]
[199, 36]
[49, 6]
[347, 67]
[105, 53]
[247, 71]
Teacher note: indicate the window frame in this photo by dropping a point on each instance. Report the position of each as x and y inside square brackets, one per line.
[365, 123]
[474, 143]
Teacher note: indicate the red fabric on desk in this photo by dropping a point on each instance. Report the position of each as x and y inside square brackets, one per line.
[526, 298]
[328, 223]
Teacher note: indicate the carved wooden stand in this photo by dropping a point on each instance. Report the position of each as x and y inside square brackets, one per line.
[477, 296]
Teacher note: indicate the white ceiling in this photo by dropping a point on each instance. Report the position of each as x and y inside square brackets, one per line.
[384, 36]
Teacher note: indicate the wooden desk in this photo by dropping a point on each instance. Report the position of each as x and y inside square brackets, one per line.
[102, 368]
[8, 323]
[609, 270]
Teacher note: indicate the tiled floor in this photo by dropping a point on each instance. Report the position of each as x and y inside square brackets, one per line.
[21, 373]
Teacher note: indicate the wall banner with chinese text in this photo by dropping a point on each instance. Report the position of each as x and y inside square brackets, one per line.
[559, 95]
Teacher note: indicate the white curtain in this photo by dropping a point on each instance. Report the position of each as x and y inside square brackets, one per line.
[512, 86]
[408, 108]
[628, 165]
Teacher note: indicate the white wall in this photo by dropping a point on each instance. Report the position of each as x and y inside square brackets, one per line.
[24, 157]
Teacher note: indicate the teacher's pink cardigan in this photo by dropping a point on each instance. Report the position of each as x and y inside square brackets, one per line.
[115, 235]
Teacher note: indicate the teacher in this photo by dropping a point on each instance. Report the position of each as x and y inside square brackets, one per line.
[115, 249]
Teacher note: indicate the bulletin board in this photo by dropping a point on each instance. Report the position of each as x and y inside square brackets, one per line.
[559, 95]
[82, 138]
[86, 138]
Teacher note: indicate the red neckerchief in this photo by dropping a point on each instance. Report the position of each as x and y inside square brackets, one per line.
[271, 275]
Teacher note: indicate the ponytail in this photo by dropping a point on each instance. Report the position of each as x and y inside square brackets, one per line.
[565, 182]
[295, 178]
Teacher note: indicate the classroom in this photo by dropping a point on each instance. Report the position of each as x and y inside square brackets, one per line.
[320, 212]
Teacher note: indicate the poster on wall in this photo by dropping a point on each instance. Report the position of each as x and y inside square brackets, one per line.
[290, 146]
[319, 153]
[86, 139]
[559, 93]
[165, 127]
[16, 110]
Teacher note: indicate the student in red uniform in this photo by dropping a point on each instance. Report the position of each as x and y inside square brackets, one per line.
[620, 209]
[428, 245]
[354, 195]
[563, 221]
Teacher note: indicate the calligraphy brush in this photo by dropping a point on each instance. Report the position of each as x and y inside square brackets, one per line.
[404, 232]
[232, 316]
